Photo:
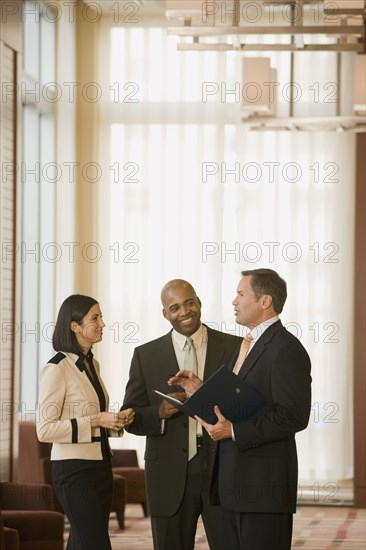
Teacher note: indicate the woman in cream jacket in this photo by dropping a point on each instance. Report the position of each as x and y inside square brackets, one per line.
[74, 417]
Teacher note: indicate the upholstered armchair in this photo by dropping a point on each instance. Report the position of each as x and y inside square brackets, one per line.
[34, 465]
[9, 538]
[28, 521]
[125, 463]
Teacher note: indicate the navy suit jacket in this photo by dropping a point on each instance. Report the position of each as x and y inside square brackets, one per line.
[258, 471]
[166, 454]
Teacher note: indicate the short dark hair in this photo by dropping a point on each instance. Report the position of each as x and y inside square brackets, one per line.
[268, 281]
[74, 308]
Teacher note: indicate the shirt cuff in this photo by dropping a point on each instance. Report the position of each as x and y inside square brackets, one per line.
[232, 432]
[162, 425]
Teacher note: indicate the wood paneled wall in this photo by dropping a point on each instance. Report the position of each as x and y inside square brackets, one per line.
[10, 58]
[359, 378]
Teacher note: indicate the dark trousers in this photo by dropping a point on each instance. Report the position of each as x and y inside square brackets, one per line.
[249, 531]
[84, 489]
[178, 532]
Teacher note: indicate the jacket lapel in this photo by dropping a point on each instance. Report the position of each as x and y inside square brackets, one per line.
[215, 353]
[232, 361]
[258, 348]
[166, 358]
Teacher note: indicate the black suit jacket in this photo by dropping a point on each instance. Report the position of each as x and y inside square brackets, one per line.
[258, 471]
[166, 454]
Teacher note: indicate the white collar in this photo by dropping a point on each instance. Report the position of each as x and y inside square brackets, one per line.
[258, 330]
[199, 337]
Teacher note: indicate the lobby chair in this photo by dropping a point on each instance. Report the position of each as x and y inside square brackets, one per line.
[34, 465]
[125, 463]
[28, 521]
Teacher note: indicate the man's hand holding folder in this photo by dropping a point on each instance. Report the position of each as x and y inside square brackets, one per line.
[168, 408]
[190, 382]
[222, 399]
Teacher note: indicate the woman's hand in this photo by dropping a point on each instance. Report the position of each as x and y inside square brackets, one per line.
[111, 420]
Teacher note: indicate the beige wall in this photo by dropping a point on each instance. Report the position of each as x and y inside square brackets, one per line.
[10, 25]
[359, 381]
[87, 152]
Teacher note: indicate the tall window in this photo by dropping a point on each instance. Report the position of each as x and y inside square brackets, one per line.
[38, 248]
[189, 192]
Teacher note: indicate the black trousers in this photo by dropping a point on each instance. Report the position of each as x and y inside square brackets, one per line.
[178, 532]
[84, 489]
[255, 531]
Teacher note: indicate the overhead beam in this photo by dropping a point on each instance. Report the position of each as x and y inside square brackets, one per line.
[270, 29]
[340, 123]
[343, 11]
[221, 47]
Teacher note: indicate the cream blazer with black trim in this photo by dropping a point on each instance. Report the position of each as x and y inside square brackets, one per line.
[67, 400]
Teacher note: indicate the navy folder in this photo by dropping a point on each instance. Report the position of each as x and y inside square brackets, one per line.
[236, 398]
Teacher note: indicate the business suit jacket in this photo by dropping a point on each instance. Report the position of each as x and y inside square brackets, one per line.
[166, 454]
[258, 471]
[67, 398]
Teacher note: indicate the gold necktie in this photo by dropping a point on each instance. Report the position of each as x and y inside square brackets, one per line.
[190, 363]
[244, 348]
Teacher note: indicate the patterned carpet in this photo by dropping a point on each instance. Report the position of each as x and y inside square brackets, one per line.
[315, 528]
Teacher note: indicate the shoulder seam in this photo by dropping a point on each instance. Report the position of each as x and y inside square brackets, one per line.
[56, 359]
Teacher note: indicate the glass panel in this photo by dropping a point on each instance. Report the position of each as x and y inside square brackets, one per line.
[31, 38]
[39, 177]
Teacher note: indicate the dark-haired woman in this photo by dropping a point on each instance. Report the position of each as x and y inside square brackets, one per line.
[74, 417]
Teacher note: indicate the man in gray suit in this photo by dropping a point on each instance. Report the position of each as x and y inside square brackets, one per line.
[177, 468]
